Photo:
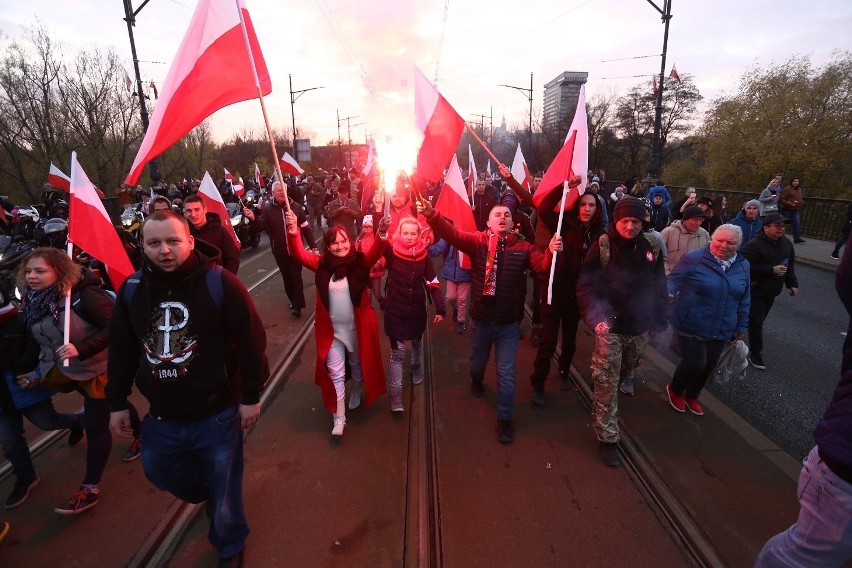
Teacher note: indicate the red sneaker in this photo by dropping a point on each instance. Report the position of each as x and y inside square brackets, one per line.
[694, 406]
[678, 402]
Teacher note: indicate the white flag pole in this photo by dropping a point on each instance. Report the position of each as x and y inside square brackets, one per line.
[558, 232]
[66, 324]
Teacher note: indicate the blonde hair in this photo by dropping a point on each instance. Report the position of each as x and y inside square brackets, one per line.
[68, 273]
[410, 221]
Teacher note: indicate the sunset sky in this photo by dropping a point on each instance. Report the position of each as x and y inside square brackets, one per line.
[362, 52]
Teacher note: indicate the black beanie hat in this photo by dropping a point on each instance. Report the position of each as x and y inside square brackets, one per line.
[629, 207]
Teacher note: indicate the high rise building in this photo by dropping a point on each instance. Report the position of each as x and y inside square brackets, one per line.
[560, 98]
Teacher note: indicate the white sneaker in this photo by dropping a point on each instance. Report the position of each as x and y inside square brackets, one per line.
[339, 425]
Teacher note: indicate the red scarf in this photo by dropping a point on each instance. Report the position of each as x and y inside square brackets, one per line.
[405, 252]
[490, 287]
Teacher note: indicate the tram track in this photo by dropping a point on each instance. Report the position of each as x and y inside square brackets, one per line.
[47, 440]
[651, 484]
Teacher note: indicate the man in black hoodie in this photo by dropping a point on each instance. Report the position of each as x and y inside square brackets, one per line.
[622, 295]
[208, 227]
[196, 347]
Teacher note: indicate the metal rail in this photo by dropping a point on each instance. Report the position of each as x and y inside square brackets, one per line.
[48, 439]
[652, 485]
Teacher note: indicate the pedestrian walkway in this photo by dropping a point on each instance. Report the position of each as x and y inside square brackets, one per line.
[816, 253]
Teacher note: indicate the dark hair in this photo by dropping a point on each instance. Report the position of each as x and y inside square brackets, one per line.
[331, 235]
[194, 199]
[165, 215]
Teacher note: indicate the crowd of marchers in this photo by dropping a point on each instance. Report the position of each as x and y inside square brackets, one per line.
[185, 331]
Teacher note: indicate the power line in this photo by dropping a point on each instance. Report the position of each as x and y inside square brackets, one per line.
[341, 37]
[441, 44]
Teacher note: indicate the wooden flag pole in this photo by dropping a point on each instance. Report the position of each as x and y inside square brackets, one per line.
[272, 146]
[481, 143]
[263, 107]
[565, 189]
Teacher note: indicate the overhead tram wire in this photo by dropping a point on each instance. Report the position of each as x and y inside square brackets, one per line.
[341, 37]
[441, 44]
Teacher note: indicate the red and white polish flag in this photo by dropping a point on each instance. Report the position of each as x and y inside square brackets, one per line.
[675, 75]
[573, 157]
[519, 169]
[213, 202]
[441, 126]
[289, 165]
[57, 179]
[258, 178]
[194, 87]
[90, 228]
[453, 203]
[471, 174]
[239, 187]
[229, 176]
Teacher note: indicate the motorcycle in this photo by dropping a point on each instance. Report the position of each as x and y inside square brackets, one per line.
[131, 219]
[247, 231]
[12, 252]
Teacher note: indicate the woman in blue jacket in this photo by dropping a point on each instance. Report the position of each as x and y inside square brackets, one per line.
[711, 285]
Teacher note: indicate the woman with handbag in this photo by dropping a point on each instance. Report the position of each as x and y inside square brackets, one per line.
[713, 299]
[47, 276]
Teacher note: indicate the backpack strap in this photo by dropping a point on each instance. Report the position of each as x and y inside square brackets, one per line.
[603, 242]
[214, 285]
[130, 286]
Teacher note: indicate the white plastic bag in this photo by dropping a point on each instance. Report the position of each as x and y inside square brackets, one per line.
[733, 362]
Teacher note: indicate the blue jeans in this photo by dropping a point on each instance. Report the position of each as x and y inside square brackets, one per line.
[822, 535]
[504, 337]
[201, 461]
[795, 220]
[15, 447]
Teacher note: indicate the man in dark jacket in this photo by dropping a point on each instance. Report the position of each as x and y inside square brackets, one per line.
[484, 198]
[208, 227]
[201, 363]
[580, 228]
[344, 211]
[273, 222]
[821, 535]
[498, 286]
[622, 295]
[772, 261]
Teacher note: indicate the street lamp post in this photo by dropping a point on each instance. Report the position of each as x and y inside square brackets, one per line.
[349, 128]
[294, 96]
[130, 18]
[529, 93]
[654, 161]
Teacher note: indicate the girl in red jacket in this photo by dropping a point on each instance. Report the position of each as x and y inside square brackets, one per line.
[345, 324]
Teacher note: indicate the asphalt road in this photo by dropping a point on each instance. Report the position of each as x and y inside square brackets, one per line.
[803, 337]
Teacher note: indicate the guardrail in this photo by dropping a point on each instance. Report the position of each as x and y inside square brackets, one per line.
[821, 218]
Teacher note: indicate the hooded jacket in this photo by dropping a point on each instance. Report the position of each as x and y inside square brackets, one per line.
[679, 241]
[629, 293]
[215, 234]
[195, 358]
[750, 227]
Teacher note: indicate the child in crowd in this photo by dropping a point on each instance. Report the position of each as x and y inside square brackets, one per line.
[410, 276]
[364, 244]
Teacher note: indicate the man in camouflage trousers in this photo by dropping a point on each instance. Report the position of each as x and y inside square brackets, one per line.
[622, 296]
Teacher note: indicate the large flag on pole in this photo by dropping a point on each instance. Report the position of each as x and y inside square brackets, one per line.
[90, 228]
[229, 176]
[453, 203]
[57, 179]
[213, 201]
[213, 68]
[572, 159]
[520, 171]
[289, 165]
[441, 126]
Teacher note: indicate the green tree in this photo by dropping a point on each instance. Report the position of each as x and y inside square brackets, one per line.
[792, 118]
